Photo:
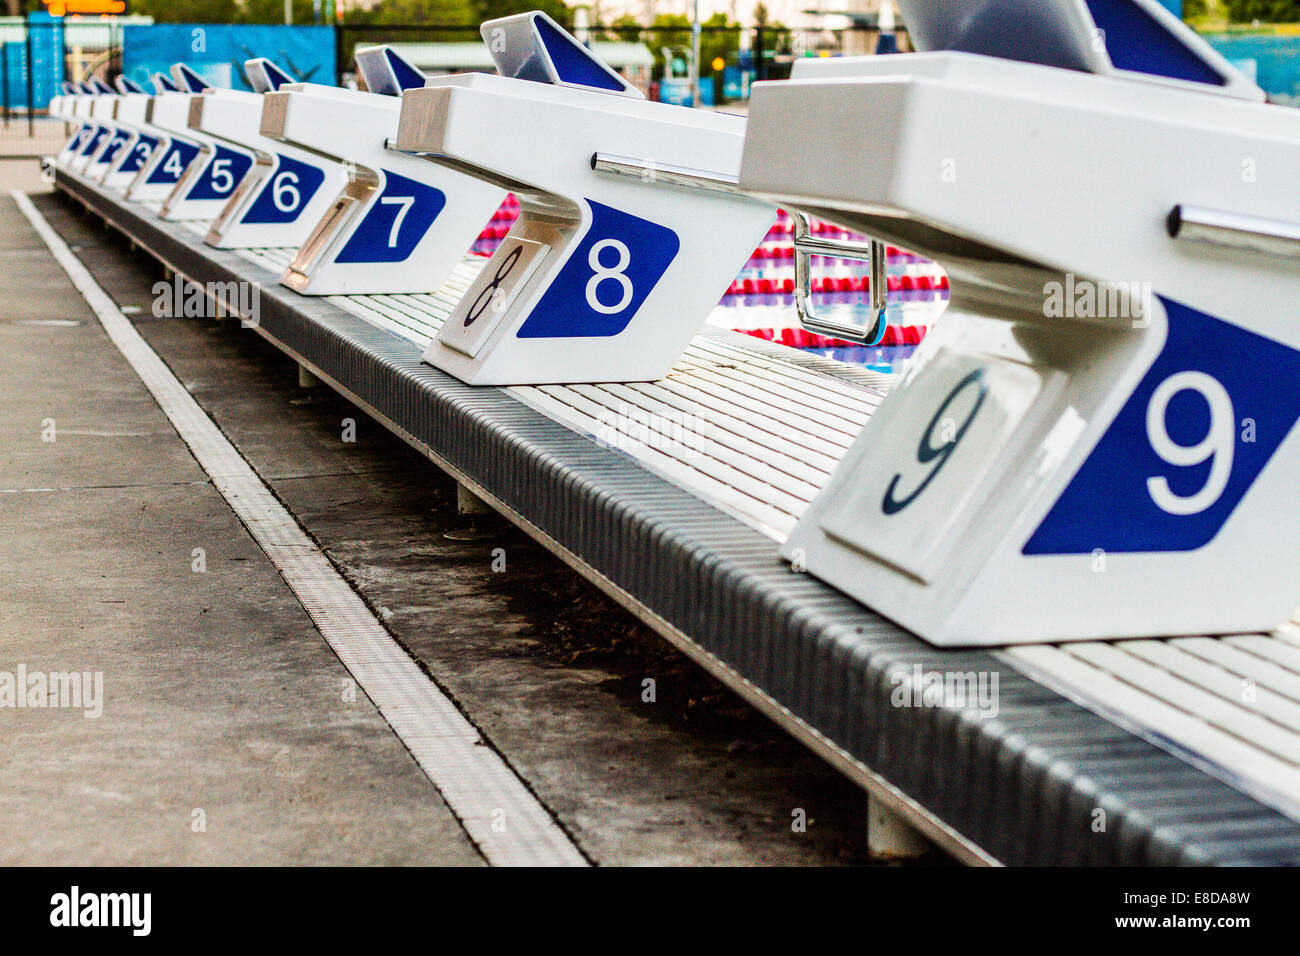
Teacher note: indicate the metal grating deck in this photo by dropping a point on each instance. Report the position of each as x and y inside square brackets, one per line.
[683, 534]
[763, 438]
[1229, 704]
[754, 437]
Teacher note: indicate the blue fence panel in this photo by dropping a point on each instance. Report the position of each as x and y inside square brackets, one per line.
[14, 59]
[218, 51]
[1273, 62]
[47, 58]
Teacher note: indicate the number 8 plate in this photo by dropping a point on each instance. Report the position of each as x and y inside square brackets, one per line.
[492, 294]
[925, 455]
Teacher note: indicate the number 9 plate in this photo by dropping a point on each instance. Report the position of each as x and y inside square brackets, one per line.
[492, 294]
[925, 455]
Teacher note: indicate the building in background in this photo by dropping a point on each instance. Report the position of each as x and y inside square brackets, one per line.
[797, 14]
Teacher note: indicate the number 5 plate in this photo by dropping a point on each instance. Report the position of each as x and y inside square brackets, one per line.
[492, 294]
[923, 457]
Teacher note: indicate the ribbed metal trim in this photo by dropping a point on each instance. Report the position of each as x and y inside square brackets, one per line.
[1026, 787]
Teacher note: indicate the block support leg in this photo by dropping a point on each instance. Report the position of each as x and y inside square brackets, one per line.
[890, 837]
[468, 503]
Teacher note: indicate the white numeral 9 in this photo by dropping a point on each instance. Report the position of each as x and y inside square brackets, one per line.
[1217, 444]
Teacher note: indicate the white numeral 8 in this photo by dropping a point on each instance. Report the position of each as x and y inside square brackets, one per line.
[601, 273]
[1218, 442]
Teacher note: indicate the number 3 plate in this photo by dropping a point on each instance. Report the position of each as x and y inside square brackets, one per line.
[492, 294]
[925, 455]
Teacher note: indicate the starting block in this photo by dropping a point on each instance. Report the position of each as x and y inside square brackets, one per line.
[132, 113]
[603, 277]
[399, 224]
[98, 112]
[124, 171]
[105, 109]
[210, 179]
[1097, 440]
[77, 111]
[166, 118]
[61, 106]
[73, 107]
[287, 190]
[125, 112]
[59, 100]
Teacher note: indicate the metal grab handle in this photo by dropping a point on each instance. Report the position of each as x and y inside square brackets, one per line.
[805, 247]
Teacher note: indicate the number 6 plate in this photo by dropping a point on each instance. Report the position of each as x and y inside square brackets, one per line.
[931, 446]
[492, 294]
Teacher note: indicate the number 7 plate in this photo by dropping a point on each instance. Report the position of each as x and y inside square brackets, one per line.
[925, 454]
[492, 294]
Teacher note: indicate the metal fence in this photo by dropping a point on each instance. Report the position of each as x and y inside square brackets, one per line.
[730, 57]
[32, 68]
[34, 60]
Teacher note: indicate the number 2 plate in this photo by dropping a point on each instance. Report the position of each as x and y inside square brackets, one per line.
[493, 292]
[929, 448]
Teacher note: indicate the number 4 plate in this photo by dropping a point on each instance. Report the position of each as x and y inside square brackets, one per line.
[930, 448]
[492, 294]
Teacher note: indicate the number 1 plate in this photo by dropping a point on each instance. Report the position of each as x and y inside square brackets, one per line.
[492, 294]
[924, 455]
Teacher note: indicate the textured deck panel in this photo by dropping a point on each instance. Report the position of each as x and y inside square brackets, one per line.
[688, 541]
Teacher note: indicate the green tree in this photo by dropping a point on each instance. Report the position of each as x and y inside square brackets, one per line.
[1268, 11]
[667, 30]
[626, 27]
[557, 10]
[189, 11]
[223, 11]
[416, 12]
[272, 11]
[721, 38]
[392, 13]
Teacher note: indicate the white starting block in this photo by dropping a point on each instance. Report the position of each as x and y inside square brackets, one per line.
[167, 115]
[287, 190]
[400, 224]
[97, 110]
[58, 100]
[210, 180]
[78, 109]
[119, 112]
[61, 101]
[71, 106]
[104, 112]
[132, 113]
[1097, 440]
[77, 112]
[603, 277]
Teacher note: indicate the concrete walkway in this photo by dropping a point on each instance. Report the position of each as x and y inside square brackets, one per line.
[225, 735]
[220, 696]
[43, 137]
